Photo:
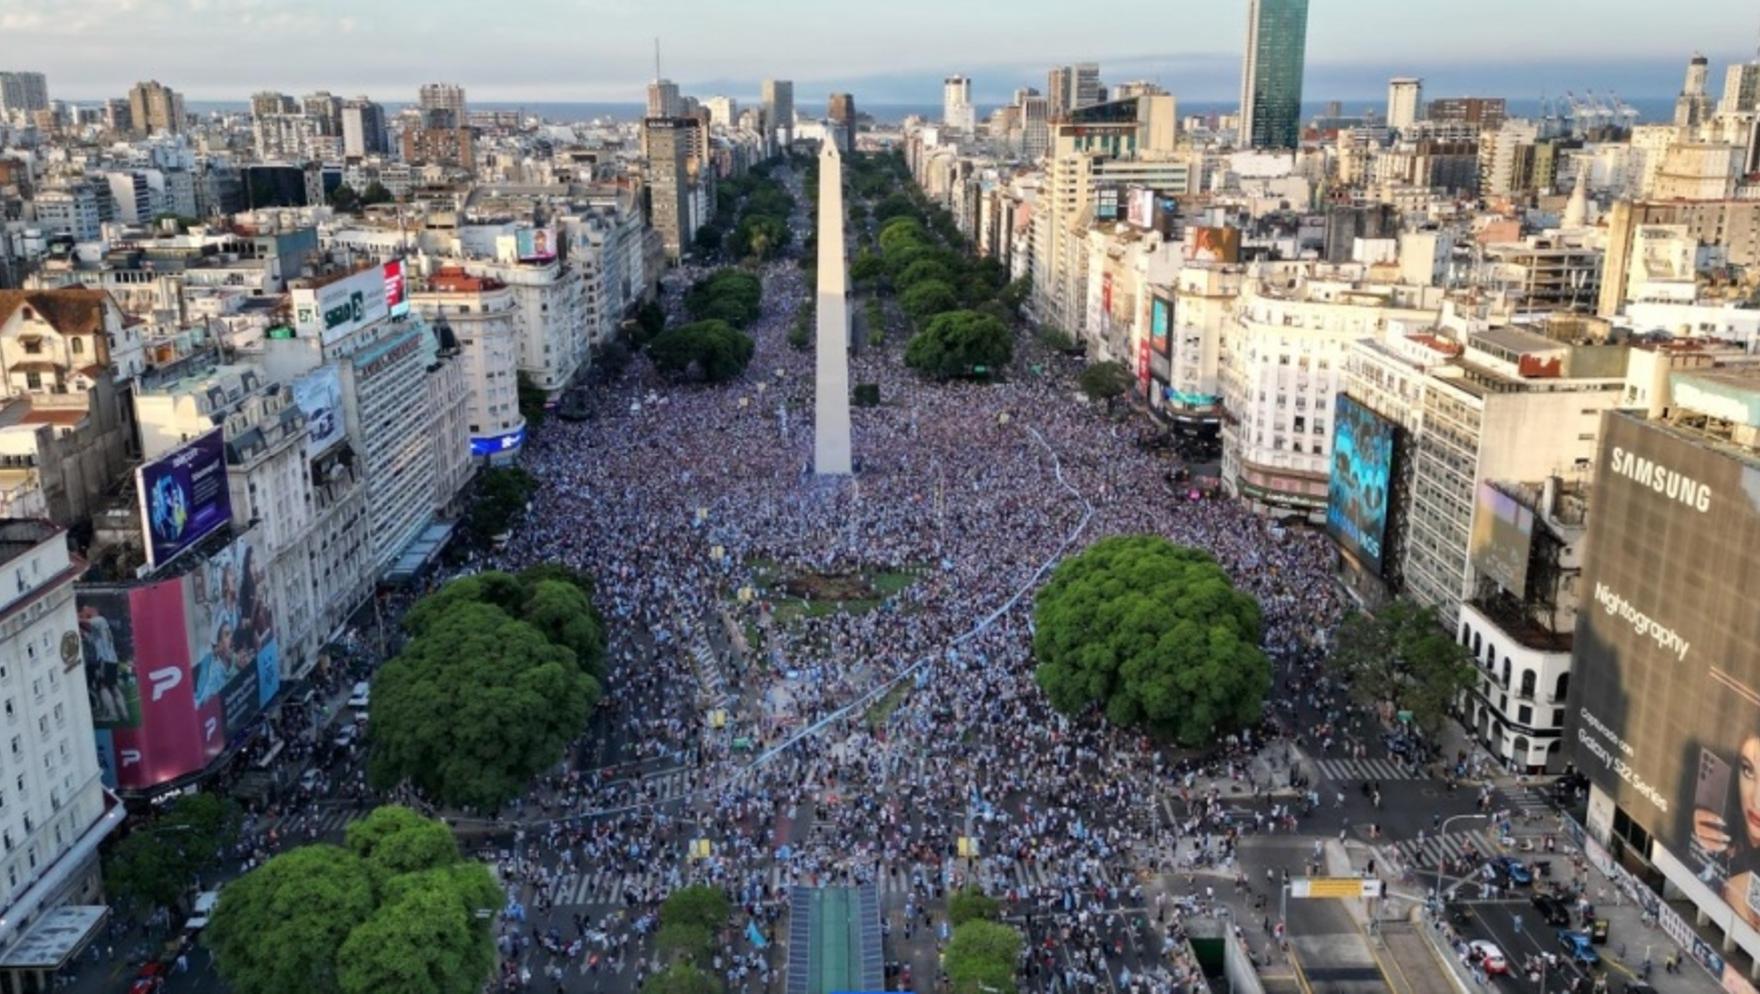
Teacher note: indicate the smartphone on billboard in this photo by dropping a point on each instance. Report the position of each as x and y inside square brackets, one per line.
[1711, 793]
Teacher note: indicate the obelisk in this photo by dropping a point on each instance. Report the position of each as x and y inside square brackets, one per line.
[831, 456]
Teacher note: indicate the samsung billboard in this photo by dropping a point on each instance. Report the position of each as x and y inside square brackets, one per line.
[1667, 659]
[183, 496]
[1362, 472]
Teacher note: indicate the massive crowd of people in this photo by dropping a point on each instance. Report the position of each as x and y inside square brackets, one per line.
[671, 496]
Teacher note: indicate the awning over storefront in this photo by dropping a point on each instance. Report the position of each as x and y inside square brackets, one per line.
[55, 938]
[420, 551]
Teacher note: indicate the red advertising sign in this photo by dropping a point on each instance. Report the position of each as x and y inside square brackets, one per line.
[1143, 363]
[165, 739]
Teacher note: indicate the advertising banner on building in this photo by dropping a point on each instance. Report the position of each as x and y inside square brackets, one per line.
[319, 395]
[396, 288]
[1503, 535]
[335, 310]
[1213, 245]
[1362, 472]
[1140, 209]
[1143, 365]
[137, 669]
[1666, 680]
[177, 669]
[535, 244]
[183, 496]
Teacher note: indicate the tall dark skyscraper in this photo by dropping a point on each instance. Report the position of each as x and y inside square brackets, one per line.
[1271, 73]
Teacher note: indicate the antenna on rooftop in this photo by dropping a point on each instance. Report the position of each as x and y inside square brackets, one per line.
[657, 58]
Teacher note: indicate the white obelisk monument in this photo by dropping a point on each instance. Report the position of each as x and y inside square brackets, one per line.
[831, 455]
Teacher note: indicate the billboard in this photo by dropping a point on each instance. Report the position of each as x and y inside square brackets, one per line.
[1140, 207]
[1667, 701]
[535, 244]
[319, 395]
[176, 669]
[149, 728]
[337, 309]
[1503, 533]
[1209, 244]
[183, 496]
[1362, 471]
[396, 288]
[1160, 318]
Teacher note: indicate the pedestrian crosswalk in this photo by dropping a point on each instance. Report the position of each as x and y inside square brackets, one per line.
[1399, 857]
[1529, 800]
[328, 820]
[1367, 769]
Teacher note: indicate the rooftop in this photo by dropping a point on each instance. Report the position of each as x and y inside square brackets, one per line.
[20, 535]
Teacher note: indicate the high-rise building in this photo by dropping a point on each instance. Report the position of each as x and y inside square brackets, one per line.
[23, 92]
[325, 110]
[667, 142]
[267, 102]
[1035, 123]
[55, 814]
[363, 129]
[1085, 83]
[956, 104]
[155, 108]
[1271, 73]
[1057, 90]
[778, 97]
[841, 109]
[1482, 113]
[663, 99]
[1405, 97]
[1693, 107]
[723, 111]
[1741, 89]
[443, 105]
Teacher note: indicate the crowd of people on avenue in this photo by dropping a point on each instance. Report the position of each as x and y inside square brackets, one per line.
[668, 495]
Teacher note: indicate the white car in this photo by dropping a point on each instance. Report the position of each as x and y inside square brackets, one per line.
[361, 696]
[203, 909]
[1487, 957]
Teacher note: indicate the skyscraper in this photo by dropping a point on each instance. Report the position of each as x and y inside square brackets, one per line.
[1057, 90]
[1271, 73]
[267, 102]
[1404, 95]
[1035, 129]
[1693, 107]
[23, 92]
[154, 107]
[663, 99]
[778, 97]
[1071, 87]
[841, 109]
[667, 142]
[442, 105]
[1741, 89]
[363, 128]
[956, 104]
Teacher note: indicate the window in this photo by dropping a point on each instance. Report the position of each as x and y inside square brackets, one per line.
[1529, 678]
[1524, 715]
[1564, 685]
[78, 345]
[1505, 680]
[33, 346]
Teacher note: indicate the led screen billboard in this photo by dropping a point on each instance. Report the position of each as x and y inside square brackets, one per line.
[337, 309]
[183, 496]
[535, 244]
[1503, 534]
[177, 669]
[1213, 245]
[319, 395]
[1160, 317]
[1362, 471]
[1666, 676]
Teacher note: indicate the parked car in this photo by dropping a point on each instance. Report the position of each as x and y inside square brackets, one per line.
[149, 979]
[361, 696]
[1487, 957]
[1578, 947]
[346, 736]
[203, 908]
[1552, 910]
[1513, 870]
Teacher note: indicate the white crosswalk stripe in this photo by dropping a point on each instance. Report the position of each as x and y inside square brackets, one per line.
[1366, 769]
[1529, 799]
[1400, 856]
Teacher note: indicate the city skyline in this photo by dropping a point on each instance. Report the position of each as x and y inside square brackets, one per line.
[93, 50]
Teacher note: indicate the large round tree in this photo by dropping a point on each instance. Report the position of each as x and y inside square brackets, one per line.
[1155, 636]
[958, 342]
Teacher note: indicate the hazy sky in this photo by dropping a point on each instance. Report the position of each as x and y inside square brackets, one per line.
[887, 51]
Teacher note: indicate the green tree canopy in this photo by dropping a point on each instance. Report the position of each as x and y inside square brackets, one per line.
[867, 267]
[970, 904]
[1105, 381]
[157, 863]
[681, 978]
[900, 232]
[922, 270]
[563, 613]
[279, 927]
[690, 920]
[759, 236]
[376, 193]
[711, 347]
[730, 295]
[981, 958]
[1155, 635]
[1402, 657]
[397, 912]
[956, 343]
[475, 706]
[927, 299]
[708, 239]
[499, 498]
